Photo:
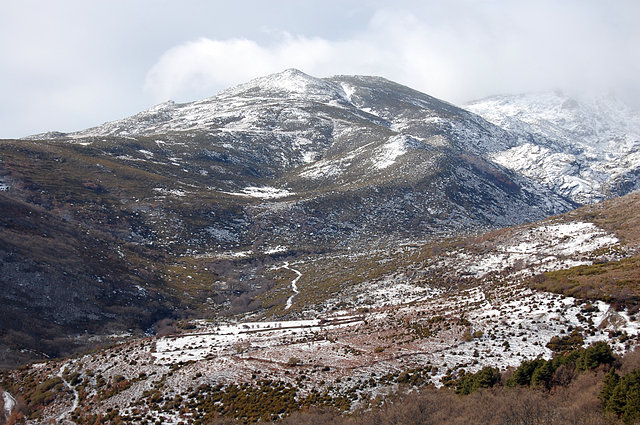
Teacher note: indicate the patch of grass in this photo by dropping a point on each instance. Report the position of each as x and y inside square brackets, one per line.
[616, 282]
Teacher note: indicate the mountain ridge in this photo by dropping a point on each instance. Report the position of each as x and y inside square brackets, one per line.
[584, 148]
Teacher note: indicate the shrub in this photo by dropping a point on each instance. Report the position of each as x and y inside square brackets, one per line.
[592, 357]
[621, 395]
[524, 373]
[566, 343]
[293, 361]
[469, 382]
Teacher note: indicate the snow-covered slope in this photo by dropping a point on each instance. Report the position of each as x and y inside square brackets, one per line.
[385, 153]
[586, 149]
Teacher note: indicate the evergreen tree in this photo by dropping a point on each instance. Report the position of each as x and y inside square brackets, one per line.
[608, 386]
[599, 353]
[543, 374]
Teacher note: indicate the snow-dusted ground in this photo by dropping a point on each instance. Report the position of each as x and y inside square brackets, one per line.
[63, 416]
[511, 324]
[398, 322]
[222, 340]
[510, 318]
[545, 247]
[577, 147]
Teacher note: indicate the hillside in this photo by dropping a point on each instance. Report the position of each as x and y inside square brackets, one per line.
[418, 316]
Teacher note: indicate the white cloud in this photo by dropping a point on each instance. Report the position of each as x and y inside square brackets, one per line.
[388, 48]
[456, 57]
[72, 64]
[204, 66]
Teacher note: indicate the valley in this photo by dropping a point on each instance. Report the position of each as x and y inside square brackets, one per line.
[423, 319]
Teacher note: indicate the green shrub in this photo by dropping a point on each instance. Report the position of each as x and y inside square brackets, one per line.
[592, 357]
[540, 372]
[469, 382]
[524, 373]
[621, 395]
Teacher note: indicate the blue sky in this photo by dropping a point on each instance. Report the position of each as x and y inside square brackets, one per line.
[68, 65]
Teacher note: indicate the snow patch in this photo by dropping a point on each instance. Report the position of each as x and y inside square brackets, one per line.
[174, 192]
[9, 403]
[294, 284]
[387, 154]
[264, 192]
[129, 158]
[309, 156]
[349, 90]
[275, 250]
[221, 340]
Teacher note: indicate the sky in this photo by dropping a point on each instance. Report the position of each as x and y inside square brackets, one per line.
[66, 65]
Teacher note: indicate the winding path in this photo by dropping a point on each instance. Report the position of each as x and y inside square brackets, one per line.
[74, 406]
[294, 284]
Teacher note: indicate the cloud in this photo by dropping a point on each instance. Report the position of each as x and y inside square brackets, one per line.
[454, 54]
[73, 64]
[205, 66]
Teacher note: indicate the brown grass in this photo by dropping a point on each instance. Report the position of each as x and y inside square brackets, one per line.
[616, 282]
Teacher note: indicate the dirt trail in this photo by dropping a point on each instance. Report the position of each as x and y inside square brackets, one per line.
[294, 285]
[61, 418]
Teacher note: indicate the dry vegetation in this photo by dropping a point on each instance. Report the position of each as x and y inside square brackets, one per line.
[574, 397]
[616, 282]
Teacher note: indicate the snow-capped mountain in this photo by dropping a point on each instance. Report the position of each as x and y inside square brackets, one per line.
[185, 208]
[585, 149]
[305, 218]
[327, 141]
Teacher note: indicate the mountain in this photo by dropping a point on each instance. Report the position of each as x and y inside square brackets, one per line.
[586, 149]
[316, 142]
[189, 210]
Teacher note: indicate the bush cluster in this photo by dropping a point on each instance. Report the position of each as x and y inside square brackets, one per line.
[621, 395]
[561, 369]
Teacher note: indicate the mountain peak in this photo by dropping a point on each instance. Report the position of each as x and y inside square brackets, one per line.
[290, 83]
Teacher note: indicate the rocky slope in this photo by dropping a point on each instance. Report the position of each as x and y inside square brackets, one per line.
[585, 149]
[407, 319]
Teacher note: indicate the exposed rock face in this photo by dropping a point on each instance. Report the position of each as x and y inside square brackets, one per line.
[586, 150]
